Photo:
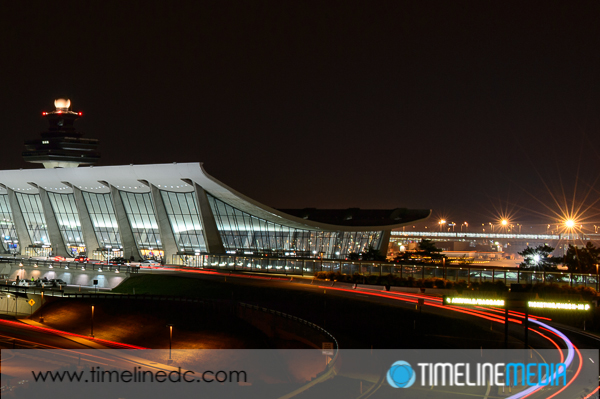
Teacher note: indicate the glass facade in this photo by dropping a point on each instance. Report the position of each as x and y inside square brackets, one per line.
[140, 213]
[67, 217]
[243, 232]
[7, 227]
[184, 216]
[103, 217]
[31, 208]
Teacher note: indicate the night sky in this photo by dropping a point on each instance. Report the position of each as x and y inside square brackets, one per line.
[467, 108]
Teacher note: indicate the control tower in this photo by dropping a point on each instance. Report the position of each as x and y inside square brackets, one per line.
[61, 146]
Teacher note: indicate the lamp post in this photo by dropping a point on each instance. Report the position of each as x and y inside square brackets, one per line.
[7, 296]
[42, 308]
[442, 223]
[170, 341]
[92, 325]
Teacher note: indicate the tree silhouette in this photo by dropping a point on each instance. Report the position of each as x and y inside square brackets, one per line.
[538, 258]
[582, 260]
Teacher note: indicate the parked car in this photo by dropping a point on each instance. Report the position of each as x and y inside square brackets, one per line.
[24, 283]
[43, 283]
[118, 261]
[81, 259]
[57, 282]
[149, 262]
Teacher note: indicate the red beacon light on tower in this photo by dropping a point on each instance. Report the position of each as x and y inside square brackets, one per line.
[62, 107]
[52, 150]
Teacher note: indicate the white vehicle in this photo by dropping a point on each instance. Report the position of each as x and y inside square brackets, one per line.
[149, 262]
[24, 283]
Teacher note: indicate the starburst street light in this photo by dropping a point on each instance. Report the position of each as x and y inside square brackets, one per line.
[442, 222]
[570, 223]
[504, 222]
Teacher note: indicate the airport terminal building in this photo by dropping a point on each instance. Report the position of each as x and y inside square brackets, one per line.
[176, 212]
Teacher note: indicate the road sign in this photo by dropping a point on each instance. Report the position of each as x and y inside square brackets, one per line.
[559, 305]
[31, 302]
[328, 348]
[473, 301]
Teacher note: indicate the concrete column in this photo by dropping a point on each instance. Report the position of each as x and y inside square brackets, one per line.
[87, 227]
[19, 221]
[332, 247]
[384, 242]
[127, 239]
[167, 238]
[56, 238]
[212, 238]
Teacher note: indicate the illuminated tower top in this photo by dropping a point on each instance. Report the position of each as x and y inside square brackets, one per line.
[61, 146]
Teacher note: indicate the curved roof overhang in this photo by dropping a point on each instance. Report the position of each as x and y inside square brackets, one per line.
[170, 177]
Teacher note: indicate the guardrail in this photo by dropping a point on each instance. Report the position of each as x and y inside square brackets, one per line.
[19, 289]
[469, 273]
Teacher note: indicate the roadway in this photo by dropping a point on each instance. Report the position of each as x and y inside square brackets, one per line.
[543, 333]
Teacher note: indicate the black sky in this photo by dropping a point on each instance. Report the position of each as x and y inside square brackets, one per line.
[462, 107]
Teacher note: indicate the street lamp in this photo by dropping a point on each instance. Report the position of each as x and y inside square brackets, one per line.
[442, 222]
[42, 308]
[92, 326]
[570, 223]
[170, 341]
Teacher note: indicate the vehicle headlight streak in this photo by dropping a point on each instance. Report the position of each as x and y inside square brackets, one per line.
[523, 394]
[493, 317]
[568, 361]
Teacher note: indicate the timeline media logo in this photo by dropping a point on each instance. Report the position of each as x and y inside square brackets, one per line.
[401, 375]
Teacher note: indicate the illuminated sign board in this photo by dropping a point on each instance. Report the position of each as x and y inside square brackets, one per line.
[473, 301]
[559, 305]
[512, 304]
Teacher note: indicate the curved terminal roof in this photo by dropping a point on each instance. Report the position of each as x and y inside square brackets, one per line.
[179, 177]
